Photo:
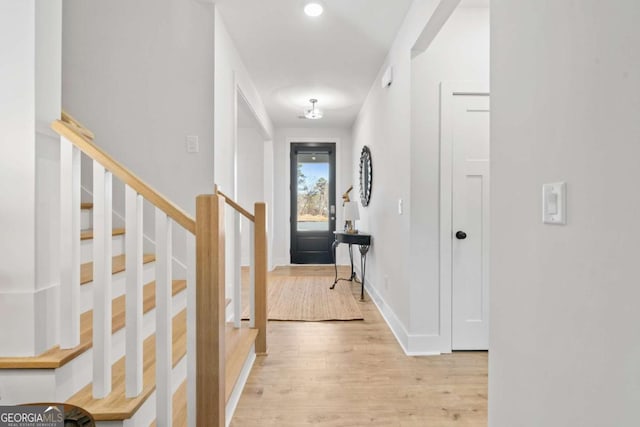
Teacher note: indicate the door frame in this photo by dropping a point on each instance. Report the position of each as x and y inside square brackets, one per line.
[448, 90]
[332, 189]
[285, 218]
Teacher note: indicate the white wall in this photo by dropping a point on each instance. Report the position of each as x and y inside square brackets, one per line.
[251, 150]
[459, 52]
[400, 125]
[140, 75]
[48, 105]
[282, 195]
[30, 101]
[17, 173]
[383, 124]
[565, 341]
[231, 74]
[269, 198]
[230, 78]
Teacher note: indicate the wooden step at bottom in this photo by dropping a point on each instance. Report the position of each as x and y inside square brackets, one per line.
[238, 344]
[57, 357]
[116, 406]
[86, 205]
[88, 233]
[118, 264]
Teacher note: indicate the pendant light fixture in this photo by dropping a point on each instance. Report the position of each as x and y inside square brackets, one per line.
[313, 113]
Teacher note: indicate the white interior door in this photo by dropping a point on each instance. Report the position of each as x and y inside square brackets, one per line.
[470, 221]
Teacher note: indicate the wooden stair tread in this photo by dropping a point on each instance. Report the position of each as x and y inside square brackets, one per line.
[116, 406]
[238, 343]
[86, 205]
[118, 265]
[88, 233]
[179, 407]
[57, 357]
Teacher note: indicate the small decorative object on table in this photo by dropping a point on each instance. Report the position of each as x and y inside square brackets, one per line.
[345, 196]
[351, 214]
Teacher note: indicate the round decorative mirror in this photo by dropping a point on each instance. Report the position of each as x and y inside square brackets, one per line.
[366, 176]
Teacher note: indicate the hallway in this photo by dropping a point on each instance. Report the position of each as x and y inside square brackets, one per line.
[355, 373]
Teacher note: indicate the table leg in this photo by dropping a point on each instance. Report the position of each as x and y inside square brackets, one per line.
[335, 263]
[353, 271]
[363, 266]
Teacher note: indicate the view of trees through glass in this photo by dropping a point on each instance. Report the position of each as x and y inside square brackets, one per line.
[313, 194]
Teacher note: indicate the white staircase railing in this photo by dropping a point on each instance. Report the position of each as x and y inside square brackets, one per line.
[205, 281]
[257, 263]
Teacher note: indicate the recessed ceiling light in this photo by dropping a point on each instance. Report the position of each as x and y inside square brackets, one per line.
[313, 9]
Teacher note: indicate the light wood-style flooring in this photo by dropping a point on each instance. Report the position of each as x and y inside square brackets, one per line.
[355, 374]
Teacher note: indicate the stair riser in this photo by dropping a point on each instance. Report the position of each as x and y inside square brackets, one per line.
[20, 386]
[57, 385]
[118, 286]
[78, 373]
[86, 248]
[86, 219]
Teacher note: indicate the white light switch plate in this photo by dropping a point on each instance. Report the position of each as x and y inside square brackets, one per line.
[554, 203]
[193, 146]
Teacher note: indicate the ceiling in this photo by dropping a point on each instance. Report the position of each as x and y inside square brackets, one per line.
[475, 3]
[292, 57]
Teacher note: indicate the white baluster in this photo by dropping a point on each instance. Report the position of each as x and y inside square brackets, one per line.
[134, 254]
[164, 365]
[102, 240]
[191, 330]
[69, 244]
[252, 275]
[237, 264]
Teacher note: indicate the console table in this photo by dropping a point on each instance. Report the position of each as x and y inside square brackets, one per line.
[363, 240]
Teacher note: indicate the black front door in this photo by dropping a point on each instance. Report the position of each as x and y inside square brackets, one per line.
[313, 202]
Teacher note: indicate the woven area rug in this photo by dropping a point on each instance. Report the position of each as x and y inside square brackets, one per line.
[309, 299]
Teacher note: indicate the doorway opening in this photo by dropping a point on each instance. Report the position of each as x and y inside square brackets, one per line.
[464, 208]
[450, 75]
[313, 205]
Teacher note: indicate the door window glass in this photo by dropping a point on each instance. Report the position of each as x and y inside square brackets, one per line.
[313, 192]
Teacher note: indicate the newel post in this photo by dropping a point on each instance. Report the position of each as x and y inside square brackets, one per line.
[210, 311]
[260, 238]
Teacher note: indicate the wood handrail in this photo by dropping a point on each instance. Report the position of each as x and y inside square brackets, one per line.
[77, 138]
[236, 206]
[68, 118]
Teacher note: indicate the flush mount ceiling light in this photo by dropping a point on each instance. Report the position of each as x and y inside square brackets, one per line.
[313, 113]
[313, 9]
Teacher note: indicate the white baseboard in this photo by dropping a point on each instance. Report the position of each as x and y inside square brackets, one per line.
[396, 326]
[411, 344]
[232, 404]
[280, 261]
[229, 312]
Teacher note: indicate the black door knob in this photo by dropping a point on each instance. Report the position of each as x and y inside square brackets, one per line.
[461, 235]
